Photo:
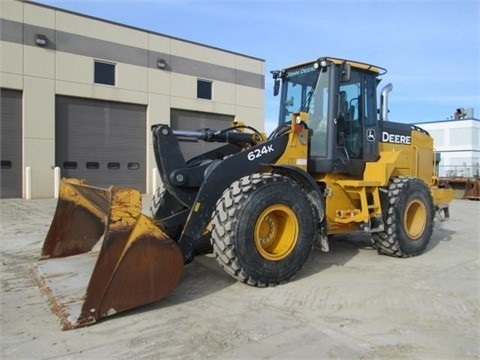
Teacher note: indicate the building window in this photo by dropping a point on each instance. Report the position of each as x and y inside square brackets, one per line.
[204, 89]
[104, 73]
[93, 165]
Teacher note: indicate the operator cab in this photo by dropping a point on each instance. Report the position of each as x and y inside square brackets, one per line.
[339, 97]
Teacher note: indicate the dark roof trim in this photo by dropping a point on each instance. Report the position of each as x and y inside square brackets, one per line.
[136, 28]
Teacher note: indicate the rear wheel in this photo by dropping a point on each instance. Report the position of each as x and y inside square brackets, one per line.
[408, 217]
[263, 229]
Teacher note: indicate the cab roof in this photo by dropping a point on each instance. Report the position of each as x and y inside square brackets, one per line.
[355, 64]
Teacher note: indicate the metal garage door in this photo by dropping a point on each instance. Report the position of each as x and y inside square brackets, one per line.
[102, 142]
[193, 120]
[11, 143]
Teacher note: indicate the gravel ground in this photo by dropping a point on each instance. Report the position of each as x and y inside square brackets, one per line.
[350, 303]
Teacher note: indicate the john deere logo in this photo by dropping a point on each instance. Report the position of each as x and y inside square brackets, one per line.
[396, 138]
[371, 135]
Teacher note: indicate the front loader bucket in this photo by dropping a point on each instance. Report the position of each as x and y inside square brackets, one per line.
[103, 256]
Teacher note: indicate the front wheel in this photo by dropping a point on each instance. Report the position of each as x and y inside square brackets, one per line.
[263, 229]
[408, 217]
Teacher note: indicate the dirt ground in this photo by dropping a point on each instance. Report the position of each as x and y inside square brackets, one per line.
[350, 303]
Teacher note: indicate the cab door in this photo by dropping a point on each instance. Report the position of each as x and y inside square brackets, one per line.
[371, 132]
[356, 123]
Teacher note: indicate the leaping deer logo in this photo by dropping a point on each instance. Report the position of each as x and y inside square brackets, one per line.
[371, 135]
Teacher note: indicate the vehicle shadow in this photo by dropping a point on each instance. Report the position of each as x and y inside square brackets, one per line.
[204, 276]
[343, 248]
[439, 234]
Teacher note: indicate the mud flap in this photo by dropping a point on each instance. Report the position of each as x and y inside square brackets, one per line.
[102, 256]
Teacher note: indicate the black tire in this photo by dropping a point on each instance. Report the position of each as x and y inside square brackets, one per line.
[408, 217]
[157, 201]
[263, 229]
[162, 206]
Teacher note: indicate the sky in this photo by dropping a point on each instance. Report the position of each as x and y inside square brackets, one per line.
[431, 48]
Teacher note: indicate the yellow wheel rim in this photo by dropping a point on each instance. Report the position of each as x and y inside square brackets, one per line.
[415, 219]
[276, 232]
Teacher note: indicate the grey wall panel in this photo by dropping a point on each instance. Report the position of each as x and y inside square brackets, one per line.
[193, 120]
[96, 48]
[11, 143]
[100, 141]
[16, 32]
[11, 31]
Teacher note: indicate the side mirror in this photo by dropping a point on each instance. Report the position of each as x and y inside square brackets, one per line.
[345, 75]
[276, 87]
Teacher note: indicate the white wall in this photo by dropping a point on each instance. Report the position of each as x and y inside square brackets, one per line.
[458, 141]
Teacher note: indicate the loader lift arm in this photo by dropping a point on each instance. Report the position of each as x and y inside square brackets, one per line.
[196, 185]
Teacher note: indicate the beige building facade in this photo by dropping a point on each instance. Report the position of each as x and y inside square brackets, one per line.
[79, 94]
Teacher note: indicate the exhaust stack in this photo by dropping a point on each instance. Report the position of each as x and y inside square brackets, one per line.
[384, 101]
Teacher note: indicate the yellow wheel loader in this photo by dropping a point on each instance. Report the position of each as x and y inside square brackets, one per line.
[334, 165]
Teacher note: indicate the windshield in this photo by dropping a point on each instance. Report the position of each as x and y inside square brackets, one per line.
[304, 89]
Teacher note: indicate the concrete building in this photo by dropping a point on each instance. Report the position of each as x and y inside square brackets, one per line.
[458, 142]
[80, 93]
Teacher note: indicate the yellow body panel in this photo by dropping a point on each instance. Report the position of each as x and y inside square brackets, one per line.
[351, 202]
[296, 153]
[415, 159]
